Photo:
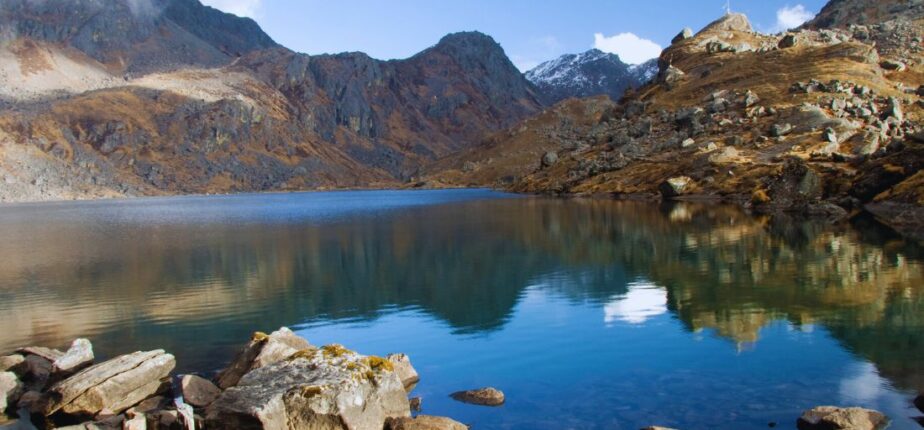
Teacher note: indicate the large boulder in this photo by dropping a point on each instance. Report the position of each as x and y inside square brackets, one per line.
[424, 422]
[10, 388]
[198, 391]
[114, 385]
[404, 369]
[262, 350]
[487, 396]
[729, 22]
[834, 418]
[317, 388]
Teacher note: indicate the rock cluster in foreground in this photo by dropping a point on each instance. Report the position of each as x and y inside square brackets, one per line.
[276, 381]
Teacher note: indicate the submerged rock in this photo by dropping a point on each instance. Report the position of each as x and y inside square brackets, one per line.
[326, 388]
[198, 391]
[262, 350]
[834, 418]
[113, 386]
[424, 422]
[487, 396]
[406, 372]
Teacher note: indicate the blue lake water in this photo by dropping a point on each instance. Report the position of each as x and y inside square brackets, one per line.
[588, 314]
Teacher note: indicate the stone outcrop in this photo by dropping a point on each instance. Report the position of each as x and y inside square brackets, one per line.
[113, 386]
[834, 418]
[487, 396]
[424, 422]
[324, 388]
[262, 350]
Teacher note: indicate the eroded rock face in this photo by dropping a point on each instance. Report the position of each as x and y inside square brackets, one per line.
[406, 372]
[424, 422]
[261, 351]
[487, 396]
[114, 385]
[834, 418]
[317, 388]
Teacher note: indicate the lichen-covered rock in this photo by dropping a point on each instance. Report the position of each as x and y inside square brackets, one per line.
[834, 418]
[317, 388]
[262, 350]
[549, 159]
[114, 385]
[487, 396]
[404, 369]
[198, 391]
[424, 422]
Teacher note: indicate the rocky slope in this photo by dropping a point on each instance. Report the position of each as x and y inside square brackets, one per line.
[824, 121]
[169, 96]
[588, 74]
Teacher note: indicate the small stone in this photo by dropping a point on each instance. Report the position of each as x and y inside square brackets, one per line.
[198, 391]
[834, 418]
[672, 76]
[830, 135]
[549, 159]
[788, 41]
[895, 66]
[711, 146]
[779, 130]
[469, 167]
[750, 99]
[487, 396]
[687, 143]
[728, 154]
[416, 403]
[894, 110]
[424, 422]
[406, 372]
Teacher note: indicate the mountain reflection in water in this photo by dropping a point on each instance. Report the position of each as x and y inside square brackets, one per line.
[196, 276]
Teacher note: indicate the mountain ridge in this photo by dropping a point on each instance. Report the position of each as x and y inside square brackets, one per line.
[590, 73]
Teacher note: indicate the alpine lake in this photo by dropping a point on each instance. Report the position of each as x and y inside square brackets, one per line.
[587, 313]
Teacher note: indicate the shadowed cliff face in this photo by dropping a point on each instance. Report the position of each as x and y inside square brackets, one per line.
[466, 264]
[136, 36]
[169, 96]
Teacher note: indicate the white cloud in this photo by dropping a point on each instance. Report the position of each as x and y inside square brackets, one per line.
[641, 302]
[629, 47]
[791, 17]
[246, 8]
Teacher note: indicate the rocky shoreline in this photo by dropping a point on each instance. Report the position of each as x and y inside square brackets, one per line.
[276, 381]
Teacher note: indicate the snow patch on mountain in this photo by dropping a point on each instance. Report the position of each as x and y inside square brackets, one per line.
[588, 74]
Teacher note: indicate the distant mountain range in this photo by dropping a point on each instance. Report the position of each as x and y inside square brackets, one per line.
[588, 74]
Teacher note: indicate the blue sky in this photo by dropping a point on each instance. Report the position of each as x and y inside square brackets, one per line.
[531, 31]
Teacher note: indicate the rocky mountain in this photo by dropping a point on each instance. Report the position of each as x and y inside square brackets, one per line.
[825, 120]
[843, 13]
[588, 74]
[138, 97]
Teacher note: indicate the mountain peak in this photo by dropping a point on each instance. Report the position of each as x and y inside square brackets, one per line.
[842, 13]
[587, 74]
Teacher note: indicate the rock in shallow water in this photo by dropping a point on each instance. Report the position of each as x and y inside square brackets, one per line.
[483, 396]
[834, 418]
[114, 385]
[316, 388]
[78, 356]
[404, 369]
[424, 422]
